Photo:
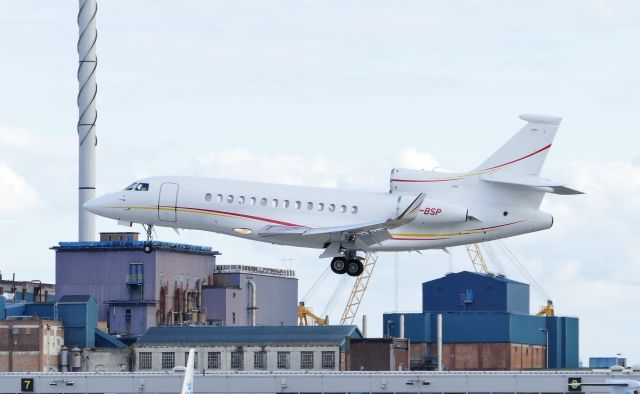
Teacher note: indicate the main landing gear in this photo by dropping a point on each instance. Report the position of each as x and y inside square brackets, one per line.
[148, 244]
[350, 264]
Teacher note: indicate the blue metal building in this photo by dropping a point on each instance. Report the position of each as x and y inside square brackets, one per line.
[485, 309]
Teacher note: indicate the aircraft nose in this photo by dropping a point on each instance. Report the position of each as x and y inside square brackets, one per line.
[97, 205]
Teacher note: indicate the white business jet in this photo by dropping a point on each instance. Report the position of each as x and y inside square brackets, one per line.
[423, 209]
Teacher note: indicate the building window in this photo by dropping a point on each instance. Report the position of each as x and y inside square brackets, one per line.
[328, 360]
[168, 360]
[233, 314]
[283, 360]
[260, 360]
[306, 360]
[237, 360]
[195, 359]
[144, 360]
[213, 360]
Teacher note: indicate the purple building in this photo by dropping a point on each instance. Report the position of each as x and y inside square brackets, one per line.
[134, 290]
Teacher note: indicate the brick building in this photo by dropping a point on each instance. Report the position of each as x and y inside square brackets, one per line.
[30, 345]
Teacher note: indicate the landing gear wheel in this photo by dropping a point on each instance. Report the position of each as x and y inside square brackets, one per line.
[354, 267]
[148, 245]
[339, 265]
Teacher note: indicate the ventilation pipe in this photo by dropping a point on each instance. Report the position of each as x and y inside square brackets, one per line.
[401, 334]
[251, 309]
[87, 116]
[440, 342]
[364, 326]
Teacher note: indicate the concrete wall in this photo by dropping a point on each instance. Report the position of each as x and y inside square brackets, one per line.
[106, 360]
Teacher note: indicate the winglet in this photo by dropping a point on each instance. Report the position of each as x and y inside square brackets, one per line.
[187, 384]
[412, 210]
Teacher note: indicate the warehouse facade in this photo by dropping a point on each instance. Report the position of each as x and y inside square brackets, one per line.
[245, 348]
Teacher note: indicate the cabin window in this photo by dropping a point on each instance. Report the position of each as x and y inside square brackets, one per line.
[263, 202]
[343, 208]
[309, 206]
[230, 198]
[354, 209]
[241, 200]
[219, 197]
[321, 206]
[332, 207]
[298, 205]
[285, 203]
[207, 197]
[274, 203]
[252, 201]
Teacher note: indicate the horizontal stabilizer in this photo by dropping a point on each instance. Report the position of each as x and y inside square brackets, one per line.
[543, 184]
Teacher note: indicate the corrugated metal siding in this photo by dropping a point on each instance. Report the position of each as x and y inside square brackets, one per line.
[482, 293]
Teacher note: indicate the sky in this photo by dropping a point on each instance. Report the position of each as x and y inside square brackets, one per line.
[335, 94]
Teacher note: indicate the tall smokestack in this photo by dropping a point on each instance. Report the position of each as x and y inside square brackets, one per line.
[87, 116]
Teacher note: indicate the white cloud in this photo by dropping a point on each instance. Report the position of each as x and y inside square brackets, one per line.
[412, 158]
[16, 195]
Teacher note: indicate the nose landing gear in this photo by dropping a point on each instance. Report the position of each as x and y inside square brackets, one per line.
[350, 265]
[148, 244]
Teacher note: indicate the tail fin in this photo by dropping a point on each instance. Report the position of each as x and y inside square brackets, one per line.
[525, 152]
[187, 384]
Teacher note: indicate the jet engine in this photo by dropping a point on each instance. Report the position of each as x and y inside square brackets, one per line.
[438, 212]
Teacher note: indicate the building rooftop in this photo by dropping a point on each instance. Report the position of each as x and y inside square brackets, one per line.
[258, 335]
[134, 245]
[248, 269]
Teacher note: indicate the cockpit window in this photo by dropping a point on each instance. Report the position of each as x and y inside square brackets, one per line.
[131, 186]
[143, 187]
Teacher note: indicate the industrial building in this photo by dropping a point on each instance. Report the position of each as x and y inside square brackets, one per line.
[30, 291]
[486, 326]
[175, 284]
[245, 348]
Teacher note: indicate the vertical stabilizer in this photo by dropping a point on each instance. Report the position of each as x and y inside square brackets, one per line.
[187, 384]
[525, 152]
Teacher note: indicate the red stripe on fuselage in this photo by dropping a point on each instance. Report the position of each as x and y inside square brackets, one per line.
[245, 216]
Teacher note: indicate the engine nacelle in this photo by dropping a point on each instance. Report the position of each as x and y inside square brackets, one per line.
[438, 212]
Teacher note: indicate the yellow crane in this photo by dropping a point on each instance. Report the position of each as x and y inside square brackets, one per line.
[304, 314]
[547, 310]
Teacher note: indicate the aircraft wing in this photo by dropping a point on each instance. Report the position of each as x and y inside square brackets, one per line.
[368, 233]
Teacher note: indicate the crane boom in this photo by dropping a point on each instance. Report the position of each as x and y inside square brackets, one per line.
[359, 288]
